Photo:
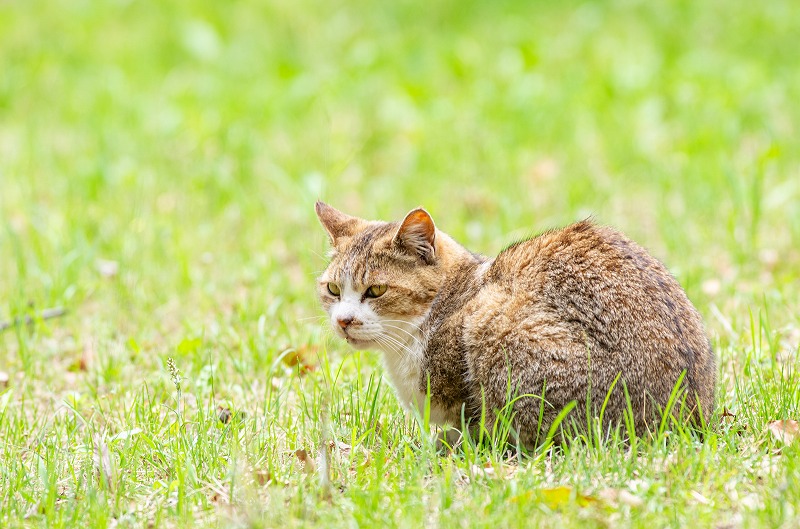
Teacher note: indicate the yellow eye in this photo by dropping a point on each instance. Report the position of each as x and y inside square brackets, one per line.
[376, 291]
[333, 288]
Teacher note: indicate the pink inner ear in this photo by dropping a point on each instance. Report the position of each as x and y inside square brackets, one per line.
[418, 233]
[420, 223]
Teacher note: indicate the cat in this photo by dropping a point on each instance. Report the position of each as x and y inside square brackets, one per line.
[574, 315]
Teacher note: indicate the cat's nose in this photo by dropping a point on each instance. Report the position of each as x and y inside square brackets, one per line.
[344, 322]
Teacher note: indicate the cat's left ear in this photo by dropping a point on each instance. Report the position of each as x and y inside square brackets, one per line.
[336, 223]
[417, 234]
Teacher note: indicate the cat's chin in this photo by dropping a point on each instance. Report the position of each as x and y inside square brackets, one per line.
[358, 344]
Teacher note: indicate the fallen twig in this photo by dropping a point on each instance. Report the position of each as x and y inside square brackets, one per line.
[46, 314]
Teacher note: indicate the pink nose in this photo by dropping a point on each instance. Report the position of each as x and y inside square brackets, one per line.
[344, 322]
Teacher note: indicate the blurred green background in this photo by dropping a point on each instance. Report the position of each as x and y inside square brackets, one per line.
[185, 142]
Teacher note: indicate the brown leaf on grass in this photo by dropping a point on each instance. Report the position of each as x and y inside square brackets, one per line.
[483, 471]
[352, 457]
[784, 431]
[728, 422]
[303, 357]
[87, 356]
[308, 462]
[263, 477]
[343, 449]
[224, 414]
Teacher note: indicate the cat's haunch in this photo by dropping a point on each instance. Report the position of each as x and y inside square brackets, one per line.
[579, 314]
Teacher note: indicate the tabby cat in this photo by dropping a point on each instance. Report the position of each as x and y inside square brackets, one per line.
[577, 314]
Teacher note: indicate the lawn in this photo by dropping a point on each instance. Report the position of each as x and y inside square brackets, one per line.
[159, 163]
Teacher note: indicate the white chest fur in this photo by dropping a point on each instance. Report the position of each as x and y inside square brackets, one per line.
[405, 374]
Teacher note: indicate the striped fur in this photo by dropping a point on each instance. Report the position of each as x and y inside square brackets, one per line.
[558, 317]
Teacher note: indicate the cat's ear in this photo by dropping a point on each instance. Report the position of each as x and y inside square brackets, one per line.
[336, 223]
[417, 234]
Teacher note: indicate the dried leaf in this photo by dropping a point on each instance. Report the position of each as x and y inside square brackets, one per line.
[224, 414]
[189, 345]
[308, 462]
[784, 431]
[484, 471]
[87, 357]
[558, 497]
[525, 497]
[263, 477]
[102, 461]
[729, 422]
[303, 357]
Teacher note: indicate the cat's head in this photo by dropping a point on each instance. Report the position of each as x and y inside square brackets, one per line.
[382, 277]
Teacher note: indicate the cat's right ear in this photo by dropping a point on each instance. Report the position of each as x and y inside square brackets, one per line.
[417, 234]
[336, 223]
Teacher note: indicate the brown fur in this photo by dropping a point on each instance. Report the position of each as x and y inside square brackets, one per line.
[558, 316]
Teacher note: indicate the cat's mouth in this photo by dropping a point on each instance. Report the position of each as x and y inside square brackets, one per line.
[357, 343]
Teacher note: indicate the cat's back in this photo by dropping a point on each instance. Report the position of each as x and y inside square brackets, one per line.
[580, 250]
[582, 291]
[595, 276]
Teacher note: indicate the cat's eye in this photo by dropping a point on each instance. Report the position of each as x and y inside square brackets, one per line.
[333, 288]
[375, 291]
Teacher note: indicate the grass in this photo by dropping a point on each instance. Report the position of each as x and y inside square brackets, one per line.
[158, 167]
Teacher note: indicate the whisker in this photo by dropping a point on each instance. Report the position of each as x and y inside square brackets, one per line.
[411, 335]
[413, 325]
[398, 344]
[324, 258]
[322, 318]
[388, 346]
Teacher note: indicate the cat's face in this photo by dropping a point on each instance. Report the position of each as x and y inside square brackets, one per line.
[381, 280]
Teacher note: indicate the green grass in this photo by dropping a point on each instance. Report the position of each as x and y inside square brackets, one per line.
[186, 142]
